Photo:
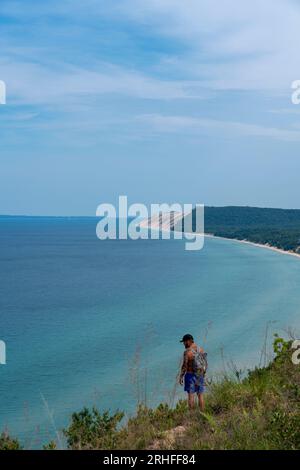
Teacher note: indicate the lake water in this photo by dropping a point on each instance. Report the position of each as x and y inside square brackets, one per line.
[89, 322]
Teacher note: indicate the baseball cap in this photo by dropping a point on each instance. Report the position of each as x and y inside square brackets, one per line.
[186, 337]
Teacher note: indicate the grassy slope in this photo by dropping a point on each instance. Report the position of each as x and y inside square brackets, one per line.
[261, 411]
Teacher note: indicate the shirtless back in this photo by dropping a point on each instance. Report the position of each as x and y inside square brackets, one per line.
[193, 383]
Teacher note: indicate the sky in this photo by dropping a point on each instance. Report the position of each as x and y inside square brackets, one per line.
[160, 100]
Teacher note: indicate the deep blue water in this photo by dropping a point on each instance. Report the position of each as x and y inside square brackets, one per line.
[98, 322]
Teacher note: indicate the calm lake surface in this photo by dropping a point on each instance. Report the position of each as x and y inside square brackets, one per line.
[89, 322]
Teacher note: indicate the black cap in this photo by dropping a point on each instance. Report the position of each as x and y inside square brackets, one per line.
[187, 338]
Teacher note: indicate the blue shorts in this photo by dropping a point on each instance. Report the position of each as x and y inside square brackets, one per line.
[193, 383]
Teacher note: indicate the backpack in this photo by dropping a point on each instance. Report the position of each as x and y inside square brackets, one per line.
[200, 363]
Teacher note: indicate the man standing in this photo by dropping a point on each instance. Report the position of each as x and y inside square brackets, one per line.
[192, 371]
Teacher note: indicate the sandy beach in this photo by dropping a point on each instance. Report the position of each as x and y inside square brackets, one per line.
[259, 245]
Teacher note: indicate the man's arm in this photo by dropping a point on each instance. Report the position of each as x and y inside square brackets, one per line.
[183, 367]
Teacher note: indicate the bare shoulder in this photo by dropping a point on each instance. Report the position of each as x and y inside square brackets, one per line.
[198, 348]
[188, 354]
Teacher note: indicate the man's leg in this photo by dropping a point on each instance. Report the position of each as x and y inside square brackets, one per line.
[201, 401]
[191, 400]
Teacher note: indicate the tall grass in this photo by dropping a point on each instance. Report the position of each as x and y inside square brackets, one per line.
[259, 409]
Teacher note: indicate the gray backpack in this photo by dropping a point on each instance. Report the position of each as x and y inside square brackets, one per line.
[200, 363]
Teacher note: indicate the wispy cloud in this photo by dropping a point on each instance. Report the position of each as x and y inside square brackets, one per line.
[233, 45]
[96, 80]
[35, 83]
[194, 126]
[227, 45]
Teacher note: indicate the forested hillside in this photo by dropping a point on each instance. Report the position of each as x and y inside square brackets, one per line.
[276, 227]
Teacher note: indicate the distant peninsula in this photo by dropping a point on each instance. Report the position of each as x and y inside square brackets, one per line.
[278, 228]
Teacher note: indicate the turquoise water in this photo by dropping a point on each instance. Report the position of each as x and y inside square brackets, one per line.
[90, 322]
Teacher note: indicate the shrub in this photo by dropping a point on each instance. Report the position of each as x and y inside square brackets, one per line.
[93, 430]
[7, 443]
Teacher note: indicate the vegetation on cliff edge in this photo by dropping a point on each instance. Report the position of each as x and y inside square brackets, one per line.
[259, 411]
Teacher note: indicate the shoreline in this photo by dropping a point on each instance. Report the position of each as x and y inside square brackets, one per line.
[258, 245]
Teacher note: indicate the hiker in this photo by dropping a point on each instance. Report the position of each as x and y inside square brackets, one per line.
[193, 370]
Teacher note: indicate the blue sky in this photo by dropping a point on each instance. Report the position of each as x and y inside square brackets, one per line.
[160, 100]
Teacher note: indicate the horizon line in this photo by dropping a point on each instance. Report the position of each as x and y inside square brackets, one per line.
[95, 216]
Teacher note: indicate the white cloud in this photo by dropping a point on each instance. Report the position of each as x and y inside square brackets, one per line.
[238, 45]
[228, 45]
[198, 126]
[33, 83]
